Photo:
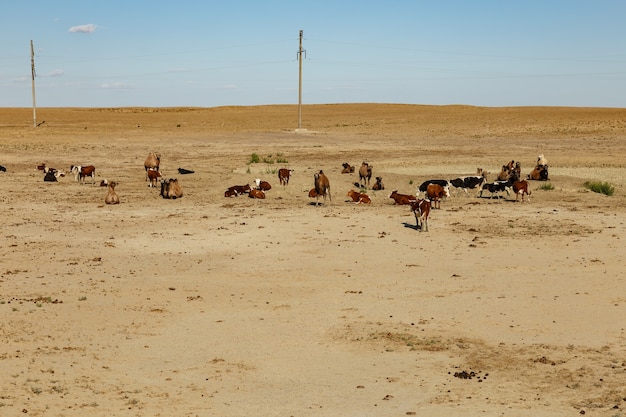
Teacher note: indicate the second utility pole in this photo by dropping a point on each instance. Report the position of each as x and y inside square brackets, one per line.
[300, 52]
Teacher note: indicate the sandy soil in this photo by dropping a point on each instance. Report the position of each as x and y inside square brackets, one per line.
[214, 306]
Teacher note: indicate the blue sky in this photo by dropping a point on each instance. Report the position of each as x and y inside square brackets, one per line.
[94, 53]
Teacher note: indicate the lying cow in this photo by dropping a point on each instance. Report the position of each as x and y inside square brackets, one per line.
[254, 193]
[262, 185]
[401, 199]
[237, 190]
[359, 198]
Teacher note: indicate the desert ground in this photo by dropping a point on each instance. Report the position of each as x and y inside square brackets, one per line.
[214, 306]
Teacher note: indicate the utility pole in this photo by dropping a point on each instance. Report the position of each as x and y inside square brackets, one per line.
[32, 67]
[300, 52]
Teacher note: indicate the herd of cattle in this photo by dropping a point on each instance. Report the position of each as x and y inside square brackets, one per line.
[432, 191]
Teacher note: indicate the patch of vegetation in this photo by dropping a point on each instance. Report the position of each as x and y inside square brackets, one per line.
[546, 186]
[254, 159]
[600, 187]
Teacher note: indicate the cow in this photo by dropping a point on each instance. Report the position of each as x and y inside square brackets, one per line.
[171, 189]
[312, 193]
[347, 168]
[322, 186]
[359, 198]
[183, 171]
[262, 185]
[435, 192]
[153, 175]
[470, 182]
[50, 176]
[153, 160]
[423, 186]
[401, 199]
[111, 197]
[540, 173]
[81, 172]
[237, 190]
[365, 173]
[496, 187]
[254, 193]
[521, 188]
[421, 210]
[379, 184]
[283, 175]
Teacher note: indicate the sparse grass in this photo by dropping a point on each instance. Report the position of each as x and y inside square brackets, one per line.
[410, 182]
[546, 187]
[254, 159]
[83, 298]
[600, 187]
[269, 170]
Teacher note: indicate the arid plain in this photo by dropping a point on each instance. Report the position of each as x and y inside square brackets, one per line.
[214, 306]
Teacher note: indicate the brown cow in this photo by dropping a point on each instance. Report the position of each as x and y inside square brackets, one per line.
[153, 175]
[401, 199]
[254, 193]
[237, 190]
[521, 188]
[435, 192]
[421, 209]
[359, 198]
[262, 185]
[81, 172]
[283, 175]
[111, 197]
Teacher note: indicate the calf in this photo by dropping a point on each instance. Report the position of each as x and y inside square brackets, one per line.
[80, 173]
[470, 182]
[435, 192]
[521, 188]
[153, 160]
[421, 209]
[283, 175]
[379, 184]
[262, 185]
[359, 198]
[347, 168]
[111, 197]
[254, 193]
[401, 199]
[237, 190]
[153, 175]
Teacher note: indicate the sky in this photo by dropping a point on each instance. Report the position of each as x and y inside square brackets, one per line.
[158, 53]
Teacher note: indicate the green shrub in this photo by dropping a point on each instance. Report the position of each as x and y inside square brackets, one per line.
[254, 159]
[600, 187]
[546, 187]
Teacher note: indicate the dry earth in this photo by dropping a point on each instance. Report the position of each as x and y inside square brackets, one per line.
[208, 306]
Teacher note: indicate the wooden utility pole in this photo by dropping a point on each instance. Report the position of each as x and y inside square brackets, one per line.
[300, 52]
[32, 67]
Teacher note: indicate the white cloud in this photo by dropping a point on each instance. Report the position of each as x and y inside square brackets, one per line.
[56, 73]
[89, 28]
[118, 85]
